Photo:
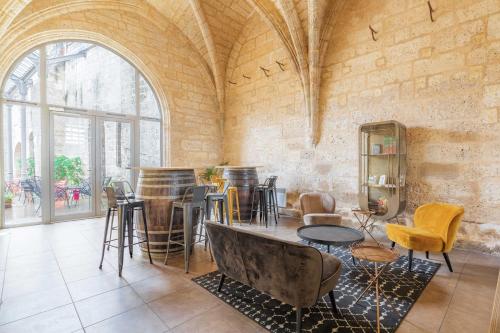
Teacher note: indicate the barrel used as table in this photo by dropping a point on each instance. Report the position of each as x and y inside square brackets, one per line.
[244, 178]
[159, 188]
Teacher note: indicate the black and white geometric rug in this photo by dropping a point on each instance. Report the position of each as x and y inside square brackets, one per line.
[401, 288]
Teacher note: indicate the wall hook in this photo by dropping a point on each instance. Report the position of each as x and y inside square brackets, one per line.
[282, 65]
[265, 70]
[373, 31]
[231, 82]
[431, 11]
[246, 77]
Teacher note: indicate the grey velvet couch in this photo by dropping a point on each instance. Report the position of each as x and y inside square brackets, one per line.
[293, 273]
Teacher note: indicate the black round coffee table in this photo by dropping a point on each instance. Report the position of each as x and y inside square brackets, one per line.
[330, 234]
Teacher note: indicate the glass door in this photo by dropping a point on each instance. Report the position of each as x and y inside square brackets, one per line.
[72, 161]
[115, 138]
[22, 164]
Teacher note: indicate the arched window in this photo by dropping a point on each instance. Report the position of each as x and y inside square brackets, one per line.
[98, 115]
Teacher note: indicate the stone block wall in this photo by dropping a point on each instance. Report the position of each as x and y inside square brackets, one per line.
[441, 79]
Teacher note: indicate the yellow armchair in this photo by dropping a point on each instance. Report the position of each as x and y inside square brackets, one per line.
[435, 230]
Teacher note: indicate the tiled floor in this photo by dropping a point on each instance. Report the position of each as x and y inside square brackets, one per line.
[50, 282]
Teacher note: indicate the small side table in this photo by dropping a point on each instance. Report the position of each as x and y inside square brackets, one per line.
[366, 222]
[377, 255]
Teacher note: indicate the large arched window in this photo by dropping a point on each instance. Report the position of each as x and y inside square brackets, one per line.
[75, 116]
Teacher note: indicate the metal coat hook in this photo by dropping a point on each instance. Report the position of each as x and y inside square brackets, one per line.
[265, 70]
[373, 31]
[246, 77]
[431, 11]
[231, 82]
[282, 65]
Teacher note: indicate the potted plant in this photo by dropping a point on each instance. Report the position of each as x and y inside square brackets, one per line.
[8, 199]
[206, 176]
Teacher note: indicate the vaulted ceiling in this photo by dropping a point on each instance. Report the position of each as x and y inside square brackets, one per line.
[213, 26]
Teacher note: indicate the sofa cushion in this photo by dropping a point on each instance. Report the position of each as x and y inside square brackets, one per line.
[330, 265]
[322, 218]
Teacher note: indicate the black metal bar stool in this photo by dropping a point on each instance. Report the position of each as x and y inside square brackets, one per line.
[132, 205]
[266, 200]
[120, 186]
[193, 201]
[222, 203]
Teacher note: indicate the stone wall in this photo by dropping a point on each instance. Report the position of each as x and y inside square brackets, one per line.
[441, 79]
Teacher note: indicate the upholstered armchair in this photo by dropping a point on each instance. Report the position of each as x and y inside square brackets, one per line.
[435, 230]
[319, 208]
[291, 272]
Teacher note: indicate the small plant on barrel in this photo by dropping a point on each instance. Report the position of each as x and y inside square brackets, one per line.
[210, 172]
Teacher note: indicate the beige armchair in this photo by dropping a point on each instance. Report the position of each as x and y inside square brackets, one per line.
[319, 208]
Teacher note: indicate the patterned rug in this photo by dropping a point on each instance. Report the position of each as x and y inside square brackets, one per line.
[401, 289]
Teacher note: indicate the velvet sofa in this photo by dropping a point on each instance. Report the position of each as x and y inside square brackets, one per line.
[291, 272]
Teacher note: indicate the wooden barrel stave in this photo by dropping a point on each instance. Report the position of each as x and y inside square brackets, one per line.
[159, 188]
[244, 179]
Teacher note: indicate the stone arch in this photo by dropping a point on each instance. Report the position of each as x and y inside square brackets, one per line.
[25, 45]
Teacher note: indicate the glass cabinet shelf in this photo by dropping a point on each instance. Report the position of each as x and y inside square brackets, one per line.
[382, 168]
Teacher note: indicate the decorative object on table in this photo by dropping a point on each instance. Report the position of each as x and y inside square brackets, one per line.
[210, 172]
[376, 149]
[365, 220]
[319, 208]
[376, 255]
[372, 180]
[192, 206]
[330, 235]
[159, 188]
[207, 175]
[244, 178]
[277, 317]
[390, 165]
[294, 273]
[435, 230]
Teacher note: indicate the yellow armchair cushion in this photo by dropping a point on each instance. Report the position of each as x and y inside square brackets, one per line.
[415, 238]
[436, 227]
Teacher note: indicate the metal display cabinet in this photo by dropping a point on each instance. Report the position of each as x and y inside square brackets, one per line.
[382, 168]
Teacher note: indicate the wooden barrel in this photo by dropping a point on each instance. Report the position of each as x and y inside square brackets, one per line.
[159, 188]
[244, 178]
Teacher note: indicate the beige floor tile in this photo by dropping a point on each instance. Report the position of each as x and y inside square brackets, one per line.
[221, 319]
[160, 285]
[430, 309]
[460, 321]
[95, 285]
[143, 271]
[62, 319]
[16, 308]
[32, 284]
[106, 305]
[408, 327]
[140, 319]
[178, 307]
[85, 271]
